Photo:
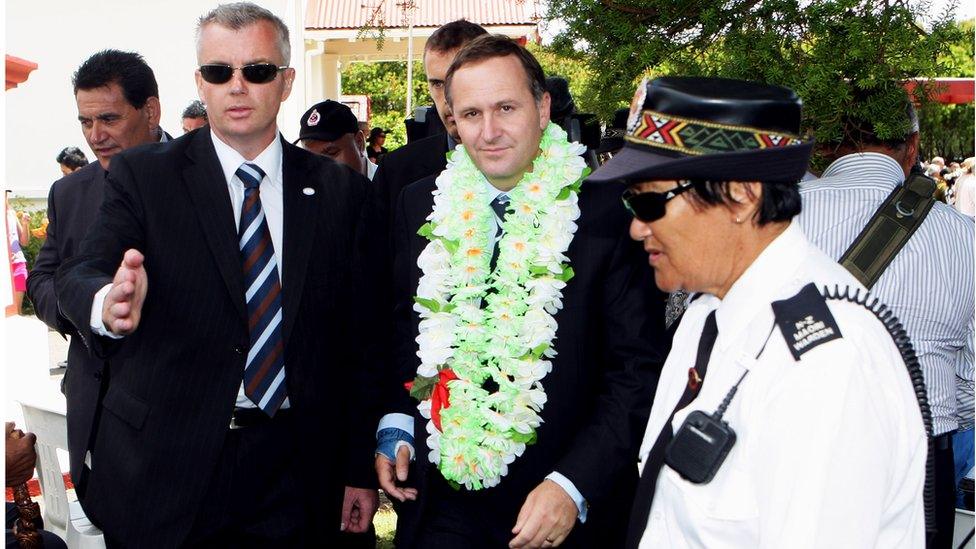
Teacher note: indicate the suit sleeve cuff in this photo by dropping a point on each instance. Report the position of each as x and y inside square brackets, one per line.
[396, 421]
[95, 320]
[570, 489]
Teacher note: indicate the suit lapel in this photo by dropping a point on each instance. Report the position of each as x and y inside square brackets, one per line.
[300, 195]
[207, 189]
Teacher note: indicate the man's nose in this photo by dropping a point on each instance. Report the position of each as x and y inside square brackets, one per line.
[491, 129]
[97, 132]
[237, 83]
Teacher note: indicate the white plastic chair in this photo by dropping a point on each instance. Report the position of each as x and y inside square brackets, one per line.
[964, 525]
[64, 518]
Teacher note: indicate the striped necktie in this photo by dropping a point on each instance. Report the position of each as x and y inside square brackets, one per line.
[264, 371]
[500, 206]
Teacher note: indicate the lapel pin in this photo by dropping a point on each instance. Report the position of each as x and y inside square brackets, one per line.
[309, 191]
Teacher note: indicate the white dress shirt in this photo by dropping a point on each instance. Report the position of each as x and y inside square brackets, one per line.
[830, 449]
[271, 202]
[928, 285]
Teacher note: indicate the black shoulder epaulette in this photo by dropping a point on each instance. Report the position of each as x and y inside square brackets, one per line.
[805, 321]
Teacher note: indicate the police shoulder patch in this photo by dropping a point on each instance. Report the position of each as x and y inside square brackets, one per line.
[805, 321]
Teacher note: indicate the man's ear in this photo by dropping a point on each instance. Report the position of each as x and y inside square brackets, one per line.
[289, 76]
[153, 111]
[544, 107]
[911, 153]
[360, 139]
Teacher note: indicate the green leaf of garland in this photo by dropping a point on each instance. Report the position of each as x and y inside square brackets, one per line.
[537, 352]
[567, 274]
[430, 304]
[426, 230]
[564, 194]
[423, 387]
[527, 439]
[450, 245]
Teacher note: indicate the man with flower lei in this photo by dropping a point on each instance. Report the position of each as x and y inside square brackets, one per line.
[529, 331]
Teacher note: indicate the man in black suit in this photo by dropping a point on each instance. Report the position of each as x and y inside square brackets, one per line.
[427, 156]
[609, 341]
[118, 107]
[231, 413]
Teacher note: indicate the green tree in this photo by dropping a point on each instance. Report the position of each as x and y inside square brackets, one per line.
[386, 85]
[947, 130]
[827, 50]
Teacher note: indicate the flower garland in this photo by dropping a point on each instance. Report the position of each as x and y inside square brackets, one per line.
[486, 336]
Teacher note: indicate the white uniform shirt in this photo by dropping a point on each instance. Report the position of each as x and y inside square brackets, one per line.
[830, 449]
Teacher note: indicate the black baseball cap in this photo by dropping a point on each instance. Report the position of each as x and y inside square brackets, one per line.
[327, 121]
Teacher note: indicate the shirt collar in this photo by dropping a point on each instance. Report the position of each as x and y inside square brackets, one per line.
[759, 285]
[493, 192]
[870, 167]
[230, 160]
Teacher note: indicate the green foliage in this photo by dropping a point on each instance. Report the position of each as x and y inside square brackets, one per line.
[827, 50]
[386, 85]
[960, 54]
[947, 131]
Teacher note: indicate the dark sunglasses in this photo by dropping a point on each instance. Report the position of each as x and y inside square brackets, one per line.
[651, 206]
[258, 73]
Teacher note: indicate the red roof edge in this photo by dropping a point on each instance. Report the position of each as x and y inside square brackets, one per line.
[18, 70]
[948, 91]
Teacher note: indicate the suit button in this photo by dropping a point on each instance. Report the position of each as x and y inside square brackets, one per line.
[98, 376]
[239, 349]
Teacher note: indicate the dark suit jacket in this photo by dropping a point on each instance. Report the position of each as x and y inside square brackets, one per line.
[174, 381]
[72, 205]
[411, 162]
[611, 346]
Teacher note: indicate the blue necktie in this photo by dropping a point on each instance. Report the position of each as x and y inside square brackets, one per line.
[264, 371]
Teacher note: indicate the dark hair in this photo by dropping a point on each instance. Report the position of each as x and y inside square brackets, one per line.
[72, 157]
[780, 201]
[195, 109]
[453, 35]
[127, 69]
[490, 46]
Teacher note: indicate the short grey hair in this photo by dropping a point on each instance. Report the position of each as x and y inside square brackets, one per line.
[239, 15]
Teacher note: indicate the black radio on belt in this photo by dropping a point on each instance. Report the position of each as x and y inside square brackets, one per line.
[702, 443]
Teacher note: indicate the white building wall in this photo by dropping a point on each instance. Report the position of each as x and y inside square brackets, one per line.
[58, 35]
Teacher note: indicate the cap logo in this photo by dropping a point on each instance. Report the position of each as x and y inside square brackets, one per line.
[313, 119]
[697, 137]
[637, 105]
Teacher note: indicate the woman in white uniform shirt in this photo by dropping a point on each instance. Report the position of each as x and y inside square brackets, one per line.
[830, 442]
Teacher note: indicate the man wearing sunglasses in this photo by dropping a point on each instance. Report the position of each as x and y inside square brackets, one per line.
[225, 349]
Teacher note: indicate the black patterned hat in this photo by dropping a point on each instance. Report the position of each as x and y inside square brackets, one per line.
[710, 128]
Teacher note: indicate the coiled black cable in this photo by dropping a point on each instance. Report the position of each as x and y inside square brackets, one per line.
[904, 345]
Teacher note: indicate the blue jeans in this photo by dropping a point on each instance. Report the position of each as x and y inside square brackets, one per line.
[962, 451]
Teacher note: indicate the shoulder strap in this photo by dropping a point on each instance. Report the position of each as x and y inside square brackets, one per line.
[889, 229]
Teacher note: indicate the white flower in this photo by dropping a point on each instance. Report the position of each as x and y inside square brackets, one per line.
[435, 340]
[538, 327]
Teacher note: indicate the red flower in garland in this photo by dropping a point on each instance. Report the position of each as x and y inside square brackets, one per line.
[440, 397]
